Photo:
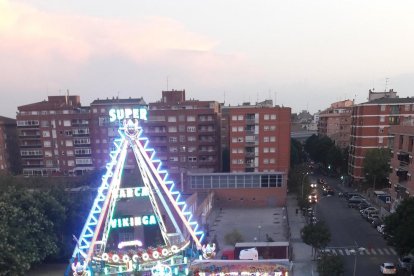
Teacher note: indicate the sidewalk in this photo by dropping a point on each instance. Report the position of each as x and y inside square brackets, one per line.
[303, 264]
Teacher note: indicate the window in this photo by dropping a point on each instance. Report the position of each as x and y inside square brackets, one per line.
[234, 140]
[272, 160]
[234, 118]
[85, 151]
[69, 152]
[66, 123]
[173, 149]
[47, 144]
[265, 161]
[380, 140]
[191, 118]
[44, 123]
[192, 159]
[234, 129]
[95, 110]
[272, 128]
[173, 159]
[265, 150]
[172, 129]
[172, 139]
[273, 117]
[48, 153]
[234, 161]
[49, 163]
[191, 149]
[69, 143]
[234, 150]
[181, 128]
[381, 130]
[71, 163]
[192, 138]
[191, 129]
[383, 107]
[266, 117]
[272, 150]
[266, 128]
[240, 117]
[182, 138]
[272, 139]
[172, 119]
[240, 128]
[46, 133]
[407, 107]
[266, 139]
[83, 161]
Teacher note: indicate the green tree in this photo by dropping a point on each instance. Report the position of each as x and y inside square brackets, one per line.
[296, 152]
[316, 235]
[399, 227]
[330, 265]
[233, 237]
[27, 232]
[376, 167]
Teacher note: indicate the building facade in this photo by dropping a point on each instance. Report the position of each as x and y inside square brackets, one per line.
[370, 128]
[103, 132]
[54, 137]
[335, 122]
[9, 152]
[185, 134]
[401, 143]
[259, 137]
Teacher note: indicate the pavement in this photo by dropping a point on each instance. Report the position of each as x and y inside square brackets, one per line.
[281, 224]
[303, 263]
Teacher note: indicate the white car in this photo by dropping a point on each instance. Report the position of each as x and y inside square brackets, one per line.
[381, 228]
[388, 269]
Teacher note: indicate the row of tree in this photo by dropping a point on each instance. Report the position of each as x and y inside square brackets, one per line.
[323, 149]
[38, 221]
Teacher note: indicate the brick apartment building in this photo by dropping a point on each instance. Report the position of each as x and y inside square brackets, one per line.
[401, 143]
[370, 126]
[259, 137]
[54, 137]
[185, 134]
[9, 155]
[335, 122]
[103, 132]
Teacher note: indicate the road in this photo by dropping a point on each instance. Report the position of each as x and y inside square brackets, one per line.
[349, 229]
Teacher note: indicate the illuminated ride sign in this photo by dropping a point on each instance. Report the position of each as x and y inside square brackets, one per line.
[132, 192]
[127, 113]
[133, 221]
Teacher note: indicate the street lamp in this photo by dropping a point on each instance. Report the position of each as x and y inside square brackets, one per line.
[260, 228]
[303, 178]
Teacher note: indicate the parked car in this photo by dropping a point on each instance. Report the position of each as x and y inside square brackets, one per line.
[366, 213]
[404, 263]
[381, 228]
[388, 269]
[349, 195]
[368, 209]
[372, 217]
[376, 222]
[356, 197]
[355, 202]
[363, 205]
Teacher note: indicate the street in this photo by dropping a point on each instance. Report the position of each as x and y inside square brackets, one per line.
[349, 230]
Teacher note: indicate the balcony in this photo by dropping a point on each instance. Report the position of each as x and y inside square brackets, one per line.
[29, 135]
[250, 154]
[28, 146]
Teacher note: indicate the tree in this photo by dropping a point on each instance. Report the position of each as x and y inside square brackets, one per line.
[330, 265]
[376, 167]
[316, 235]
[399, 227]
[296, 152]
[27, 232]
[233, 237]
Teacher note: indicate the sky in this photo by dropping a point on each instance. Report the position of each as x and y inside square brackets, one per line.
[302, 54]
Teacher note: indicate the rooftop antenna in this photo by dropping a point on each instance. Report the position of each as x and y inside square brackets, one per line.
[386, 84]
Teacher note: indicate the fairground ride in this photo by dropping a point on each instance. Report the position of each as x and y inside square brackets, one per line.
[93, 255]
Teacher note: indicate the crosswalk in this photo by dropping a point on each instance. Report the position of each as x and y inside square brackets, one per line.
[365, 251]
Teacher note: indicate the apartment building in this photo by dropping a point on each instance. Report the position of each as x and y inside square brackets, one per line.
[185, 134]
[370, 126]
[9, 155]
[401, 143]
[335, 122]
[259, 137]
[54, 137]
[103, 132]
